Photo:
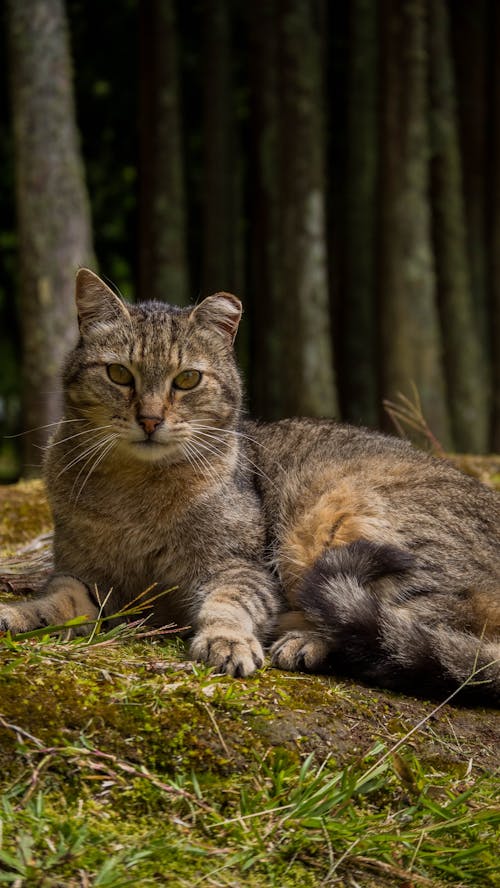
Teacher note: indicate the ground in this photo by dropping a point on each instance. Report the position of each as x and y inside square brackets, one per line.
[121, 763]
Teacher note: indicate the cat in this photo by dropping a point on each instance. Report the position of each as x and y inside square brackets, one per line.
[345, 549]
[146, 482]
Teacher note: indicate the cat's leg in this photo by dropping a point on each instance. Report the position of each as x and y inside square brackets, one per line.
[238, 611]
[300, 650]
[341, 607]
[299, 645]
[64, 598]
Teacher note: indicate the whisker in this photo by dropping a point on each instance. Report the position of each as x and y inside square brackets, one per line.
[192, 459]
[244, 456]
[206, 447]
[90, 453]
[95, 439]
[40, 428]
[209, 447]
[235, 432]
[202, 463]
[96, 463]
[222, 431]
[77, 435]
[89, 432]
[95, 446]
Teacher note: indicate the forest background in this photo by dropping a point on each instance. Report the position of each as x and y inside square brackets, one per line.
[335, 163]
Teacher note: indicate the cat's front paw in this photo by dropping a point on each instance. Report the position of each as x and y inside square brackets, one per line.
[300, 651]
[65, 598]
[15, 620]
[228, 651]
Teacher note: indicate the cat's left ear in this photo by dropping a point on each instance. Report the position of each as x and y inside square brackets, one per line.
[222, 311]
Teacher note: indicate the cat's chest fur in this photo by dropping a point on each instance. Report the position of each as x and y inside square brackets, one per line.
[128, 533]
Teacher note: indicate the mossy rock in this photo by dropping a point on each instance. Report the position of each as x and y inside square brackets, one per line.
[118, 727]
[24, 514]
[298, 712]
[485, 468]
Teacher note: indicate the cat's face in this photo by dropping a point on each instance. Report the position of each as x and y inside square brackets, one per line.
[160, 381]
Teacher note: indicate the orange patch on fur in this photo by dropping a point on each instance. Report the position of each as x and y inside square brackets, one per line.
[293, 620]
[338, 517]
[486, 613]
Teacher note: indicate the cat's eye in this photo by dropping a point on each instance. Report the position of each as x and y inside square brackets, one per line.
[187, 379]
[119, 374]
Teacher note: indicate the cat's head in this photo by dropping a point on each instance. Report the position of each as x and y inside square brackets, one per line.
[161, 380]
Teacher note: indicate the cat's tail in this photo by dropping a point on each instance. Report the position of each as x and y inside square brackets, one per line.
[386, 643]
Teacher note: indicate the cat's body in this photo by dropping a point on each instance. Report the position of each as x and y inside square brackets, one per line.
[389, 561]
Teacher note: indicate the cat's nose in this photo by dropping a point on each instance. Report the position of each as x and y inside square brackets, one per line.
[149, 423]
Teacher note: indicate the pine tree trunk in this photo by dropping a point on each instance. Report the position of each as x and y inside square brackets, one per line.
[163, 268]
[410, 335]
[464, 361]
[308, 371]
[358, 301]
[52, 205]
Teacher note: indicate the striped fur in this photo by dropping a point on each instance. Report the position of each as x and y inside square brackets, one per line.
[390, 560]
[177, 508]
[351, 550]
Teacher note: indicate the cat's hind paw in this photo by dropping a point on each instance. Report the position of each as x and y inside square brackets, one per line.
[228, 652]
[300, 651]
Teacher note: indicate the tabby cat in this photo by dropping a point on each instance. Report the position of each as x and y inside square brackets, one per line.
[348, 549]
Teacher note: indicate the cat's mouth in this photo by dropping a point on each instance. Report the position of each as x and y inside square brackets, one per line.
[153, 444]
[153, 449]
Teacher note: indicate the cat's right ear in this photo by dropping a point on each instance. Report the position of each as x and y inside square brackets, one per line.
[222, 311]
[96, 304]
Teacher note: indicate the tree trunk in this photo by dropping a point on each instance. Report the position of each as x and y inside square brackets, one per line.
[222, 180]
[470, 40]
[410, 334]
[52, 205]
[308, 361]
[494, 232]
[464, 361]
[163, 271]
[358, 301]
[266, 344]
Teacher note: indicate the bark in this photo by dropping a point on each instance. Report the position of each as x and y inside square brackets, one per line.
[163, 272]
[358, 300]
[470, 41]
[52, 205]
[494, 231]
[222, 179]
[464, 361]
[266, 344]
[410, 334]
[308, 365]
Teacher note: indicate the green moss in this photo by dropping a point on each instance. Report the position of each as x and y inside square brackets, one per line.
[138, 768]
[24, 514]
[155, 770]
